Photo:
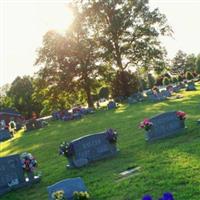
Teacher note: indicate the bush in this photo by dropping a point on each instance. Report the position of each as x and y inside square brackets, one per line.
[104, 93]
[166, 81]
[189, 76]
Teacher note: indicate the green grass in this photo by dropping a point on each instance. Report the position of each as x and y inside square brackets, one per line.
[171, 164]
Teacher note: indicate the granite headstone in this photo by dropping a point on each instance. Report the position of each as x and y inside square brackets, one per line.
[11, 173]
[5, 135]
[164, 125]
[190, 86]
[91, 148]
[69, 186]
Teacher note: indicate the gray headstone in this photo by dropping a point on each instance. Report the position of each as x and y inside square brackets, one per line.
[11, 173]
[69, 186]
[165, 93]
[91, 148]
[164, 125]
[191, 86]
[5, 135]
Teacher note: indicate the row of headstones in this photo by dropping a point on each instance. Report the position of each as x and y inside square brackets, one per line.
[96, 146]
[165, 93]
[86, 149]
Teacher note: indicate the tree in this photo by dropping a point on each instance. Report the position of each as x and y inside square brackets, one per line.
[70, 61]
[179, 62]
[190, 64]
[189, 76]
[20, 93]
[174, 79]
[128, 32]
[166, 81]
[118, 89]
[198, 64]
[129, 29]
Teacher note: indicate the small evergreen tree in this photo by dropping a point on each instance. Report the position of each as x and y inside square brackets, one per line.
[166, 81]
[189, 76]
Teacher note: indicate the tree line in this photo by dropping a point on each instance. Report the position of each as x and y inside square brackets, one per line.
[112, 48]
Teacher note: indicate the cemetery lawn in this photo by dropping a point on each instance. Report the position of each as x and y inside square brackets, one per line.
[171, 164]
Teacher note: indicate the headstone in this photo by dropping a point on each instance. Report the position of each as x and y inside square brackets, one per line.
[156, 97]
[132, 100]
[5, 135]
[91, 148]
[165, 93]
[177, 88]
[34, 124]
[12, 174]
[69, 186]
[190, 86]
[164, 125]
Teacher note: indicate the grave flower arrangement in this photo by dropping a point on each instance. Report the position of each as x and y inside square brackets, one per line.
[66, 149]
[166, 196]
[58, 195]
[81, 196]
[111, 136]
[146, 124]
[29, 163]
[181, 115]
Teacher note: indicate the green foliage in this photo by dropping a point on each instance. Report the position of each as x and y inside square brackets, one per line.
[174, 79]
[189, 76]
[104, 93]
[180, 78]
[190, 64]
[20, 94]
[151, 80]
[179, 62]
[124, 84]
[198, 64]
[128, 31]
[81, 196]
[166, 81]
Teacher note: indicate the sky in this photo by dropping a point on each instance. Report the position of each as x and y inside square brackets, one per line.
[24, 22]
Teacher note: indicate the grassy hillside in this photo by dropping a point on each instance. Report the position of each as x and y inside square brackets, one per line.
[171, 164]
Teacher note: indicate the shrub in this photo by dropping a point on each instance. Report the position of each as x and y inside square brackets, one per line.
[104, 93]
[189, 76]
[166, 81]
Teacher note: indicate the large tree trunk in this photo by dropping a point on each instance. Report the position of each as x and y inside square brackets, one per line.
[89, 97]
